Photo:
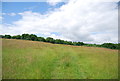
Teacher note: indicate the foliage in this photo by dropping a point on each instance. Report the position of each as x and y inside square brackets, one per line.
[58, 41]
[1, 36]
[33, 37]
[16, 37]
[110, 45]
[78, 43]
[49, 39]
[7, 36]
[41, 39]
[25, 36]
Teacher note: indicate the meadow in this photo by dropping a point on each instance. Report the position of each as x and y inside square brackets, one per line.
[23, 59]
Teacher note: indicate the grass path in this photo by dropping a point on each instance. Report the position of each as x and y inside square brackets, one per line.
[37, 60]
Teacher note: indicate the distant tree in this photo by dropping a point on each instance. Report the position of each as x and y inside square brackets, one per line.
[75, 43]
[25, 36]
[7, 36]
[80, 43]
[13, 37]
[49, 39]
[65, 42]
[1, 36]
[16, 37]
[110, 45]
[33, 37]
[118, 46]
[59, 41]
[69, 43]
[41, 39]
[92, 45]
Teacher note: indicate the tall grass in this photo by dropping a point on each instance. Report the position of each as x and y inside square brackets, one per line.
[24, 59]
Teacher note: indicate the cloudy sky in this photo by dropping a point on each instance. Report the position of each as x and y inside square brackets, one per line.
[72, 20]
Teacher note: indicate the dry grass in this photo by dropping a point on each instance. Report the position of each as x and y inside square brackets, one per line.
[24, 59]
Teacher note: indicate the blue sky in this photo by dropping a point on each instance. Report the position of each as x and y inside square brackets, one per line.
[73, 20]
[18, 7]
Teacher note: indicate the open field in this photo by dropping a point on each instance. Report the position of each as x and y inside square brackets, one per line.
[24, 59]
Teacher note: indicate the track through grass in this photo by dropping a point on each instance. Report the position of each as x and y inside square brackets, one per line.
[24, 59]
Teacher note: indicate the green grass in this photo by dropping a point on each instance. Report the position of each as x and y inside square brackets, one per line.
[24, 59]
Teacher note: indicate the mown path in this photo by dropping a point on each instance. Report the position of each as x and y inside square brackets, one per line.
[37, 60]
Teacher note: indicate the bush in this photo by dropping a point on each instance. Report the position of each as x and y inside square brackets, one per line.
[7, 36]
[49, 39]
[41, 39]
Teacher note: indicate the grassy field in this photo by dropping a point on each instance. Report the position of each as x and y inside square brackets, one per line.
[24, 59]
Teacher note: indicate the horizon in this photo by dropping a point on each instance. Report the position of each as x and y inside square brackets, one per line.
[55, 39]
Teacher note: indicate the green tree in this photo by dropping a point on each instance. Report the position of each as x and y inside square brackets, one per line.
[1, 36]
[68, 43]
[7, 36]
[33, 37]
[25, 36]
[16, 37]
[110, 45]
[75, 43]
[80, 43]
[41, 39]
[58, 41]
[49, 39]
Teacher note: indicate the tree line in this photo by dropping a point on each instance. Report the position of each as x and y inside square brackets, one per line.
[34, 37]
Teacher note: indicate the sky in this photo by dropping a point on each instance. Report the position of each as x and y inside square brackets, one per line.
[74, 20]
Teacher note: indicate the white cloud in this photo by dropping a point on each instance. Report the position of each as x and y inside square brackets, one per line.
[3, 13]
[10, 14]
[55, 2]
[1, 18]
[92, 22]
